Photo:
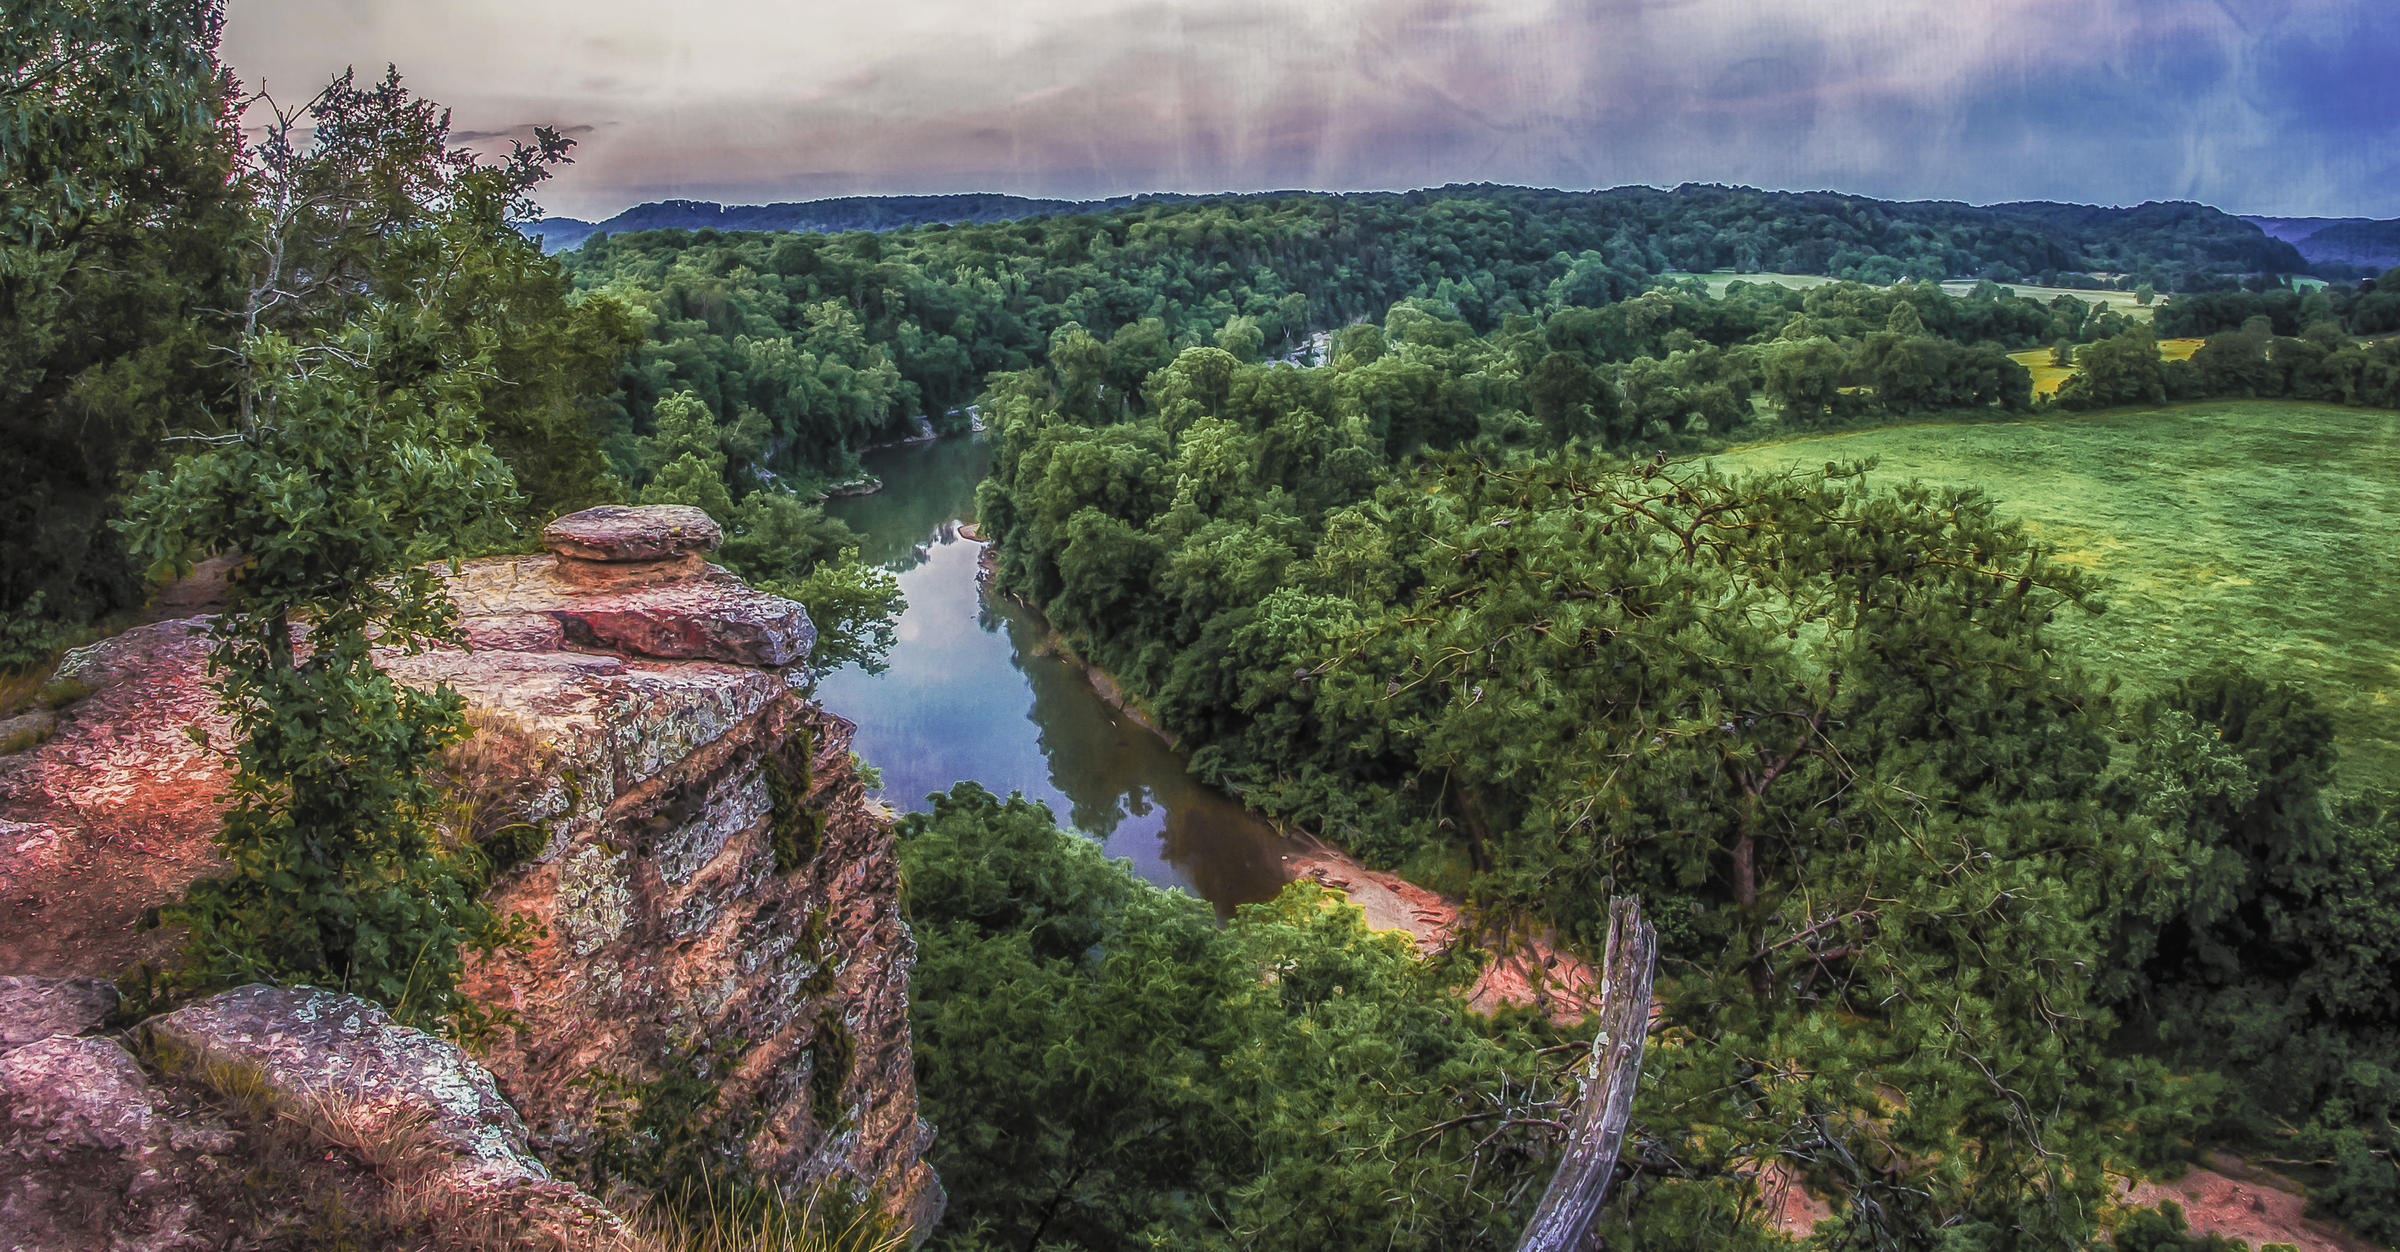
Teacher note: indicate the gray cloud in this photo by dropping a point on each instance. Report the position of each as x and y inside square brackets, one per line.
[2265, 106]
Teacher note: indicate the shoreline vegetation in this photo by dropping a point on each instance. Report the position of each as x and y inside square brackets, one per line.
[1531, 971]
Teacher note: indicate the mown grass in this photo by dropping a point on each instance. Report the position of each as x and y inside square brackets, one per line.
[2126, 302]
[2047, 378]
[2256, 531]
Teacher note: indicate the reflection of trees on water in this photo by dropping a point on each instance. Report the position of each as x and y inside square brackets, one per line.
[1115, 780]
[1112, 770]
[1233, 856]
[1092, 762]
[927, 490]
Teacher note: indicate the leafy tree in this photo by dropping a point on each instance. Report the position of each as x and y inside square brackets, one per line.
[356, 454]
[2272, 957]
[2124, 369]
[117, 224]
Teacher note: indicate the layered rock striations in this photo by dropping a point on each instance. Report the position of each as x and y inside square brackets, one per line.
[696, 846]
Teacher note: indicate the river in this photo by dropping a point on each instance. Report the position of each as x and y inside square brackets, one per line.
[969, 694]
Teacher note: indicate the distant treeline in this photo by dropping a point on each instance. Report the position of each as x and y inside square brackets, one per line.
[832, 217]
[810, 347]
[2176, 245]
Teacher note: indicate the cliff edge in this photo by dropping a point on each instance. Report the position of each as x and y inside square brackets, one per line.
[691, 839]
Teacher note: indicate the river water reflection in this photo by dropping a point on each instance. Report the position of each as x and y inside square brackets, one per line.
[969, 696]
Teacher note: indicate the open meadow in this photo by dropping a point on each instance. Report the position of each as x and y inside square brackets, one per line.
[2248, 530]
[2125, 302]
[1717, 281]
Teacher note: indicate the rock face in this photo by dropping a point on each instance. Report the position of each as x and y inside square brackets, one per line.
[709, 872]
[111, 816]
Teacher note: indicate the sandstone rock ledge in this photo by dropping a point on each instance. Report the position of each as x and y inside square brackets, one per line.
[98, 1150]
[646, 711]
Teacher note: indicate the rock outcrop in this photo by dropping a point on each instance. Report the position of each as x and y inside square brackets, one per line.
[708, 874]
[300, 1044]
[96, 1152]
[34, 1009]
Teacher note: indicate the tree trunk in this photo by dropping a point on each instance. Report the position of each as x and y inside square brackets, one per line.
[1570, 1208]
[1745, 891]
[1479, 855]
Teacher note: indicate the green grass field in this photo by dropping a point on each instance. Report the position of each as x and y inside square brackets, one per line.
[2258, 531]
[1716, 282]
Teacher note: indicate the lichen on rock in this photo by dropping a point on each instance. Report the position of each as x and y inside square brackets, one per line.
[595, 897]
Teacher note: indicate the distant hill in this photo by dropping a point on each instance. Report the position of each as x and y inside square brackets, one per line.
[2359, 242]
[830, 217]
[2178, 244]
[2119, 240]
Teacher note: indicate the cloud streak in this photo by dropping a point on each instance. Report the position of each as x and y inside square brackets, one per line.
[2281, 106]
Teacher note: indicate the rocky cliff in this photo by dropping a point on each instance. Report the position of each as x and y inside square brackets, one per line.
[695, 844]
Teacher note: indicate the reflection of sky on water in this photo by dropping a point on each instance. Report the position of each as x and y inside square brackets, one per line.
[965, 679]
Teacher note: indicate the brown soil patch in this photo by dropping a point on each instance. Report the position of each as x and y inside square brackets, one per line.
[2239, 1201]
[1531, 971]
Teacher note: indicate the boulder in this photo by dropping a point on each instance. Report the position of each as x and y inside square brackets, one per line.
[26, 730]
[95, 1152]
[86, 1158]
[530, 604]
[699, 621]
[304, 1045]
[34, 1009]
[73, 1093]
[618, 532]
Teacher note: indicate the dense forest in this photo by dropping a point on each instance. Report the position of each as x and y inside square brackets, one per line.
[1899, 842]
[1377, 501]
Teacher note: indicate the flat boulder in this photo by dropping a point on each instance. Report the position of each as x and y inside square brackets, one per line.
[714, 619]
[306, 1045]
[621, 532]
[34, 1009]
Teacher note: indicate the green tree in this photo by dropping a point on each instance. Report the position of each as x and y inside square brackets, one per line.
[355, 455]
[2122, 369]
[2264, 948]
[1111, 1069]
[117, 235]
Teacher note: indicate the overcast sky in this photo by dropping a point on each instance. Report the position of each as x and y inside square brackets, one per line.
[2258, 106]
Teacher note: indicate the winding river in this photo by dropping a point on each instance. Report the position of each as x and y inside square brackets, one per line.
[970, 694]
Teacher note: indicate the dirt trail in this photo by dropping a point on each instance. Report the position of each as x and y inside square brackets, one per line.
[2239, 1201]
